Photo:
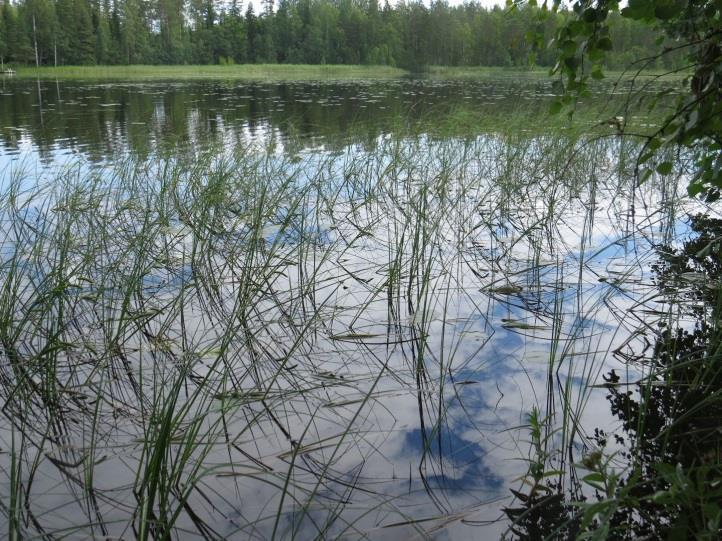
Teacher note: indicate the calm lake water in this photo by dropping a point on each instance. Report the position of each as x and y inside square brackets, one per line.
[100, 120]
[355, 308]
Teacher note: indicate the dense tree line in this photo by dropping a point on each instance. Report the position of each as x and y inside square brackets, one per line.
[407, 34]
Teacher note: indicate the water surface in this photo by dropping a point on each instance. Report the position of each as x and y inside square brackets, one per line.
[348, 313]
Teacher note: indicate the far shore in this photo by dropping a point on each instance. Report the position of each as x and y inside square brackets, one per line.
[300, 72]
[239, 71]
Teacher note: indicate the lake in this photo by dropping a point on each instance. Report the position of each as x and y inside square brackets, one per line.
[313, 310]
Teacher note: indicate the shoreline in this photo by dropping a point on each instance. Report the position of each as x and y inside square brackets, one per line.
[296, 72]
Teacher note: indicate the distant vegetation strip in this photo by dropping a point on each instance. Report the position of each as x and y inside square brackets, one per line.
[239, 71]
[298, 72]
[365, 32]
[476, 72]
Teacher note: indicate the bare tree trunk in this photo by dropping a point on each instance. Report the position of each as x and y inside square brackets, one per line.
[35, 40]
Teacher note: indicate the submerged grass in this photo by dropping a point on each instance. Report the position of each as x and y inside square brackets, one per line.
[253, 344]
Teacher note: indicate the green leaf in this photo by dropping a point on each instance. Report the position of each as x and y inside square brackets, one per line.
[555, 107]
[664, 168]
[595, 55]
[605, 44]
[591, 15]
[580, 28]
[594, 477]
[668, 9]
[654, 144]
[694, 189]
[639, 9]
[662, 497]
[568, 48]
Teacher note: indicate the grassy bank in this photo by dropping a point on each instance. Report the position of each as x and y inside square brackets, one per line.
[298, 72]
[533, 72]
[477, 72]
[271, 72]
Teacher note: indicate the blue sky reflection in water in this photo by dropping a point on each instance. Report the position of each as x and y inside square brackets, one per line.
[414, 297]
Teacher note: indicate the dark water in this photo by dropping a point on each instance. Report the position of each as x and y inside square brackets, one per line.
[99, 119]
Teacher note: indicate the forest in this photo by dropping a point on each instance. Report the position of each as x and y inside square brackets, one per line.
[407, 34]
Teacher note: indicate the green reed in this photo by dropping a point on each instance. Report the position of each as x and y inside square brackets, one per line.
[182, 331]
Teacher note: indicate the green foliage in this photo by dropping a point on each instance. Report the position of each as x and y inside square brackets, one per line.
[665, 481]
[14, 37]
[542, 512]
[585, 40]
[408, 34]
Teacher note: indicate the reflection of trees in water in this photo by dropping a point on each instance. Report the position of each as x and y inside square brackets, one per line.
[103, 120]
[671, 420]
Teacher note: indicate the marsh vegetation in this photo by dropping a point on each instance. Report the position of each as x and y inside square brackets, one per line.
[243, 320]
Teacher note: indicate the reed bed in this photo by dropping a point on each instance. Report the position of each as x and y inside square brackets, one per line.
[335, 344]
[254, 72]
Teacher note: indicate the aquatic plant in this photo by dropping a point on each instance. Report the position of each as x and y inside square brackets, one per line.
[319, 344]
[659, 476]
